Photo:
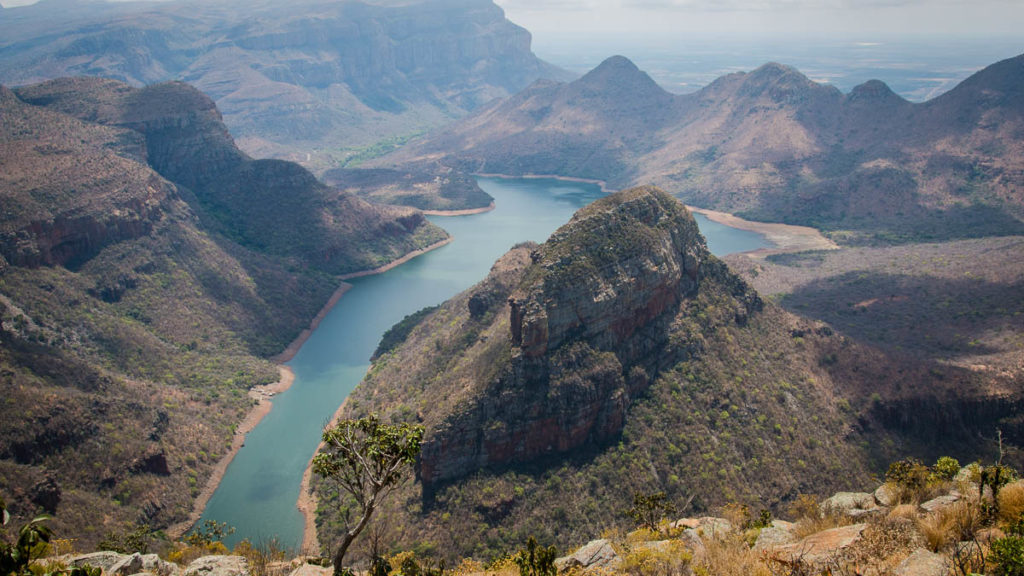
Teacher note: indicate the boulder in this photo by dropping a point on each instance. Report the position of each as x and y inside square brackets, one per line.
[126, 566]
[822, 546]
[863, 515]
[101, 560]
[923, 563]
[154, 565]
[218, 566]
[711, 527]
[887, 494]
[967, 474]
[778, 534]
[844, 502]
[686, 523]
[594, 554]
[941, 502]
[692, 539]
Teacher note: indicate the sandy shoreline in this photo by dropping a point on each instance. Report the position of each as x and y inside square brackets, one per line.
[307, 500]
[466, 212]
[785, 237]
[261, 395]
[399, 262]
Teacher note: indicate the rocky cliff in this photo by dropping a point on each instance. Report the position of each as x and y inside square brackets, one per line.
[291, 80]
[587, 328]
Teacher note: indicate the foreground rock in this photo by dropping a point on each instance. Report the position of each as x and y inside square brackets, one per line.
[597, 554]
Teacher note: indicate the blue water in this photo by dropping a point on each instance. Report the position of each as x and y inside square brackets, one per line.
[258, 493]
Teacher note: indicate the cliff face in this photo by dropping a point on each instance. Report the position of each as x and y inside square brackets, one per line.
[271, 206]
[291, 80]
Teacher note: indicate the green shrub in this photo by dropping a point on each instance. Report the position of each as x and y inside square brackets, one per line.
[649, 509]
[946, 468]
[1007, 556]
[536, 560]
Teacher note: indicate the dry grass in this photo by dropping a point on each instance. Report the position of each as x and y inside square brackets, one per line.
[908, 511]
[810, 519]
[671, 558]
[730, 557]
[1011, 502]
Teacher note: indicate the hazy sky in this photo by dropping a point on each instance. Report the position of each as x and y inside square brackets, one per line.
[658, 20]
[853, 19]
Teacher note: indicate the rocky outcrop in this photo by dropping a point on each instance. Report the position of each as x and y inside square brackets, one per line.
[68, 240]
[597, 554]
[587, 331]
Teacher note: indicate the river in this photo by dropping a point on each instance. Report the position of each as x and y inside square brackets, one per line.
[261, 486]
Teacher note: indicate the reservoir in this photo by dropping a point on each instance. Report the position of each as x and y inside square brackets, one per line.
[261, 486]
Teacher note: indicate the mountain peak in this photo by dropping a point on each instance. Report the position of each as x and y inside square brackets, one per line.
[874, 91]
[781, 83]
[617, 73]
[1000, 84]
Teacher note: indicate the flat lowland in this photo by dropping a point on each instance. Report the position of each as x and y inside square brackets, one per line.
[960, 302]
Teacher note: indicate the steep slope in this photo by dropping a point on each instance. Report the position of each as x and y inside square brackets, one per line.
[307, 78]
[771, 145]
[132, 323]
[619, 356]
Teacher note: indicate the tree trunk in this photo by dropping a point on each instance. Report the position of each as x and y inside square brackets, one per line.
[339, 556]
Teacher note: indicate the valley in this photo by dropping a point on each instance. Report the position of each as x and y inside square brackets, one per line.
[224, 225]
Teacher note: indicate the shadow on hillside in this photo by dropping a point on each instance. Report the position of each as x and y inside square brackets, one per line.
[923, 315]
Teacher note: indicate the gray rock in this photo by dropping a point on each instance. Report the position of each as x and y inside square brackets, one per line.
[886, 494]
[126, 566]
[941, 502]
[863, 515]
[844, 502]
[152, 564]
[923, 563]
[711, 527]
[966, 473]
[218, 566]
[693, 541]
[778, 534]
[102, 560]
[822, 546]
[594, 554]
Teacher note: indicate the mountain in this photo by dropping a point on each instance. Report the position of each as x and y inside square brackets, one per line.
[770, 144]
[621, 357]
[297, 80]
[147, 269]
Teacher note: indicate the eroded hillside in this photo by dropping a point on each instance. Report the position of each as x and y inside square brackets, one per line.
[147, 268]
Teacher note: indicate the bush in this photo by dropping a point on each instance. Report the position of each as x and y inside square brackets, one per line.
[649, 509]
[1007, 556]
[536, 560]
[946, 468]
[667, 558]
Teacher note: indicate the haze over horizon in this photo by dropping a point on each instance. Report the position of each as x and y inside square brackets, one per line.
[867, 20]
